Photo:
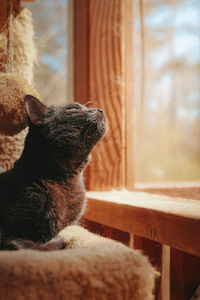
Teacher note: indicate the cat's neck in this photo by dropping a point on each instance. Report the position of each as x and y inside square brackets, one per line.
[45, 166]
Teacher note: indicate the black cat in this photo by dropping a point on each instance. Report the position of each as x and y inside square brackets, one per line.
[44, 192]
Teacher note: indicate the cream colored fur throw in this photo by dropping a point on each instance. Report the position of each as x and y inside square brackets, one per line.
[25, 52]
[13, 89]
[11, 148]
[25, 56]
[92, 268]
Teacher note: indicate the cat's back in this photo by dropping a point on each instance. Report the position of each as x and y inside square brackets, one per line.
[6, 188]
[9, 180]
[10, 185]
[6, 177]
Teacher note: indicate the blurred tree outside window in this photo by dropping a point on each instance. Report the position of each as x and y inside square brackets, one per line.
[52, 37]
[167, 90]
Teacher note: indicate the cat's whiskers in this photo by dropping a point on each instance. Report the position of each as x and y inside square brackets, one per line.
[86, 132]
[88, 102]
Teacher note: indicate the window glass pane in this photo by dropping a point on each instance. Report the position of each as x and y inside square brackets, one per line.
[51, 21]
[167, 90]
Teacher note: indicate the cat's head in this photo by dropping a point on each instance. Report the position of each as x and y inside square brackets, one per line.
[66, 132]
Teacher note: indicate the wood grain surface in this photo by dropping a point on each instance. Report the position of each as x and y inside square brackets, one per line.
[154, 251]
[101, 73]
[175, 223]
[184, 274]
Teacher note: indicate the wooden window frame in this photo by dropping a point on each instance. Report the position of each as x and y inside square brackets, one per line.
[103, 73]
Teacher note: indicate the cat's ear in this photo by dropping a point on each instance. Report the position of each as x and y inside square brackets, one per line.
[35, 109]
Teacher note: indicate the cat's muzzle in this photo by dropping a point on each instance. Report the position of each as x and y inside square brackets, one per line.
[98, 125]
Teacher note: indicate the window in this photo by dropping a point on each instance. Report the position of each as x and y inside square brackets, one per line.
[167, 90]
[53, 34]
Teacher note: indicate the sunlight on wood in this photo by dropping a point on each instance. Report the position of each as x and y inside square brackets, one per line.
[171, 221]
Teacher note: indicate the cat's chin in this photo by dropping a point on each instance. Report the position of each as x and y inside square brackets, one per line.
[97, 128]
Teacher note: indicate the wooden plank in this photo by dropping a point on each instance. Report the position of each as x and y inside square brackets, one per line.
[129, 95]
[117, 235]
[154, 251]
[185, 275]
[100, 77]
[173, 223]
[131, 240]
[93, 227]
[106, 231]
[106, 91]
[165, 274]
[81, 50]
[188, 189]
[159, 256]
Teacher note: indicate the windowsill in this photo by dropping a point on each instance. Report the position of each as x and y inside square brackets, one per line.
[171, 221]
[186, 189]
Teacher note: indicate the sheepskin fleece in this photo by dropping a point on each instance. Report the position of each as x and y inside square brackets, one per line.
[25, 52]
[11, 148]
[25, 56]
[12, 111]
[95, 268]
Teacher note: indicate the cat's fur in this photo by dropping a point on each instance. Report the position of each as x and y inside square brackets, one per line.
[44, 192]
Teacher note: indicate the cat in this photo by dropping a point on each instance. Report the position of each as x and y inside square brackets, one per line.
[45, 192]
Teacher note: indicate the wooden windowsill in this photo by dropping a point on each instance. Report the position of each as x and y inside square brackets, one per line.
[185, 189]
[170, 221]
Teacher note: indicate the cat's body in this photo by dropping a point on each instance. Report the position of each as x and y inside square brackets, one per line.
[44, 192]
[35, 208]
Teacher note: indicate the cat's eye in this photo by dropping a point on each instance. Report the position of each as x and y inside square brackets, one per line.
[74, 106]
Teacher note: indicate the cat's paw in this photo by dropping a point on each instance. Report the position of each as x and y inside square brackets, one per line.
[57, 243]
[11, 245]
